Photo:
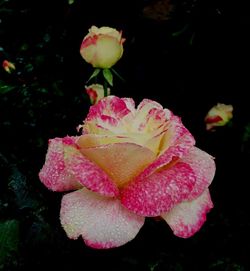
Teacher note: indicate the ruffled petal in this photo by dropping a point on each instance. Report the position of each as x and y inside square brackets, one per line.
[102, 222]
[181, 180]
[150, 118]
[54, 173]
[203, 166]
[160, 191]
[175, 144]
[186, 218]
[121, 161]
[106, 116]
[66, 168]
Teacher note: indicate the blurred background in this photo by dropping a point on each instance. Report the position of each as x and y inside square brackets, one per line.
[188, 55]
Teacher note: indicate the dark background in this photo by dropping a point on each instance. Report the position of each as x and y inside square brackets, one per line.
[189, 56]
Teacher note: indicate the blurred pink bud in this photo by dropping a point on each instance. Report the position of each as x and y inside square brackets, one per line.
[218, 115]
[8, 66]
[96, 92]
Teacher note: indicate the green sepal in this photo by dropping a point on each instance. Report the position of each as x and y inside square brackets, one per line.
[108, 76]
[94, 74]
[118, 75]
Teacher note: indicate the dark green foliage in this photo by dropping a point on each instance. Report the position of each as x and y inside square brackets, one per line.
[9, 241]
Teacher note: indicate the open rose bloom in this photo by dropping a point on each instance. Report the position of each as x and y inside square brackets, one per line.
[102, 47]
[128, 164]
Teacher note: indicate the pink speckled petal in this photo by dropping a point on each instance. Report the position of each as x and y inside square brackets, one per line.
[147, 105]
[186, 218]
[54, 173]
[204, 168]
[102, 222]
[106, 117]
[67, 169]
[90, 175]
[175, 144]
[121, 161]
[151, 117]
[160, 191]
[130, 104]
[109, 106]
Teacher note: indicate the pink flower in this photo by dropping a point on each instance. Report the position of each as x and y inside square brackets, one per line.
[95, 92]
[8, 66]
[129, 163]
[102, 47]
[218, 115]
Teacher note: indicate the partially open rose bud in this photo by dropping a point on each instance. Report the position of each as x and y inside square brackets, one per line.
[102, 47]
[96, 92]
[218, 115]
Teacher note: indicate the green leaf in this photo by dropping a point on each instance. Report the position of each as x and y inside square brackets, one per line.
[94, 74]
[5, 88]
[178, 33]
[9, 238]
[18, 185]
[108, 76]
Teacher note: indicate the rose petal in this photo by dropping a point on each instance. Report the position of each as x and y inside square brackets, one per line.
[204, 168]
[91, 140]
[110, 106]
[101, 221]
[89, 174]
[183, 179]
[160, 191]
[150, 117]
[186, 218]
[54, 173]
[106, 117]
[176, 142]
[121, 161]
[67, 169]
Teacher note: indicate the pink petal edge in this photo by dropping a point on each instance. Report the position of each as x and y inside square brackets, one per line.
[203, 166]
[186, 218]
[180, 141]
[54, 174]
[160, 191]
[101, 221]
[66, 169]
[182, 180]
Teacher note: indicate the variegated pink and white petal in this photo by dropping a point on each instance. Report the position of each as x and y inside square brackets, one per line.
[67, 169]
[203, 166]
[106, 114]
[175, 144]
[121, 161]
[146, 105]
[54, 173]
[130, 103]
[90, 175]
[186, 218]
[160, 191]
[102, 222]
[150, 118]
